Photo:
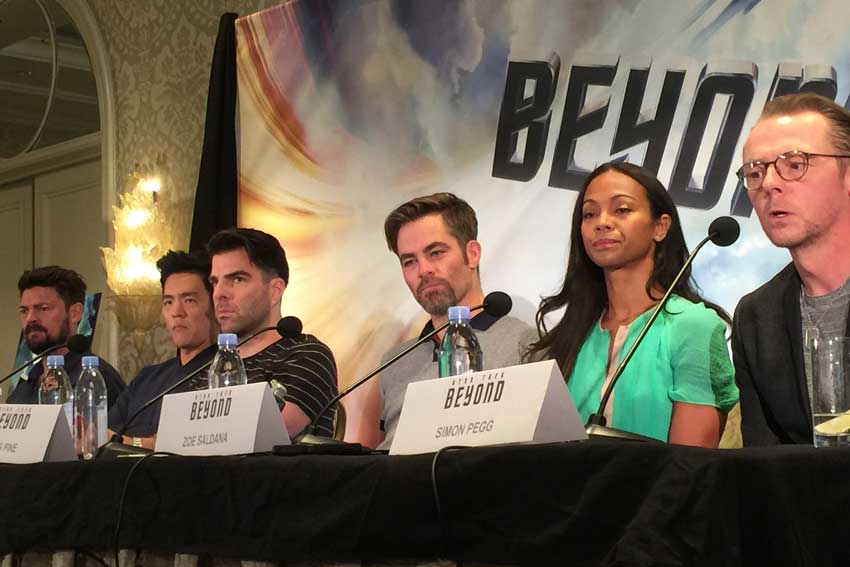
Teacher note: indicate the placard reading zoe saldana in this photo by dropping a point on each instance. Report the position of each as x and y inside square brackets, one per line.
[225, 421]
[527, 403]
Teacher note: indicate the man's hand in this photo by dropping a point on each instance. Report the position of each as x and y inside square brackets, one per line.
[144, 442]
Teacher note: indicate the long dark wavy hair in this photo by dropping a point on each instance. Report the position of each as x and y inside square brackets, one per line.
[584, 293]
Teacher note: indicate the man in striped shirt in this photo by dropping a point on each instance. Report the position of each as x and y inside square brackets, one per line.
[249, 275]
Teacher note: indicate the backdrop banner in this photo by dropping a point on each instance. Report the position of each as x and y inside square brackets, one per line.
[347, 109]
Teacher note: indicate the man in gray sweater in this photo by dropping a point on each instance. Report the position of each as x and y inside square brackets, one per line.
[434, 238]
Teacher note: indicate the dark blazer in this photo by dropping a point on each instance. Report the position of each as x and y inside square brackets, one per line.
[767, 349]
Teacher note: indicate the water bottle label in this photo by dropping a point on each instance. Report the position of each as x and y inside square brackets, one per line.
[460, 352]
[227, 370]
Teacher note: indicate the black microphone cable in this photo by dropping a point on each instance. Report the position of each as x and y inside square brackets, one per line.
[121, 500]
[286, 327]
[90, 555]
[442, 516]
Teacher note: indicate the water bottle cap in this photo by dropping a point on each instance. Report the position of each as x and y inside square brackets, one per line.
[458, 313]
[227, 339]
[55, 360]
[91, 362]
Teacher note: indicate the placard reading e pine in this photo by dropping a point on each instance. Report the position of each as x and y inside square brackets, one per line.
[34, 433]
[526, 403]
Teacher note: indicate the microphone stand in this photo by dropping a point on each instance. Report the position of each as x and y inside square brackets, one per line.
[32, 361]
[595, 426]
[115, 448]
[310, 438]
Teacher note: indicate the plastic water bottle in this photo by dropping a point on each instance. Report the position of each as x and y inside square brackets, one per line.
[227, 368]
[460, 352]
[90, 408]
[55, 388]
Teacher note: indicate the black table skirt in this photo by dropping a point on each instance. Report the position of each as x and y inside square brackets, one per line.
[583, 504]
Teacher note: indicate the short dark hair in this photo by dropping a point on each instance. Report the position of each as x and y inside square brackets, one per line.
[796, 103]
[263, 249]
[68, 284]
[178, 262]
[457, 214]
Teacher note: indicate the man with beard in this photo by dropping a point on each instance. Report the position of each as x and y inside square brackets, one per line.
[50, 308]
[249, 275]
[434, 238]
[188, 314]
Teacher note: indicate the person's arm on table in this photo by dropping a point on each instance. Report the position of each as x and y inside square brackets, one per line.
[703, 378]
[309, 375]
[697, 425]
[365, 417]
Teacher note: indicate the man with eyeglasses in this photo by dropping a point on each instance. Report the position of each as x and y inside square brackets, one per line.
[797, 174]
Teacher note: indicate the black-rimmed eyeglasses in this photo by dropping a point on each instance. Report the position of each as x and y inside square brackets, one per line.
[790, 166]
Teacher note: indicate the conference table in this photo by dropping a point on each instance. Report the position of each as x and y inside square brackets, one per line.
[588, 503]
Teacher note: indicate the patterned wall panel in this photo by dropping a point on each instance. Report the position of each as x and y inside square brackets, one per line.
[160, 53]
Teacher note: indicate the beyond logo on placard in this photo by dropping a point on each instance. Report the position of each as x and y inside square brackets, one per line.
[465, 392]
[18, 419]
[211, 404]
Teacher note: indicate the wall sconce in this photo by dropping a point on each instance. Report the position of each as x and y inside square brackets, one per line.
[143, 234]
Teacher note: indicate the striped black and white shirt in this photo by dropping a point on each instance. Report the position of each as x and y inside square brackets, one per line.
[307, 368]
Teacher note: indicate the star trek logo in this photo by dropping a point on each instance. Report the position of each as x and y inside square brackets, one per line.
[526, 113]
[466, 391]
[211, 404]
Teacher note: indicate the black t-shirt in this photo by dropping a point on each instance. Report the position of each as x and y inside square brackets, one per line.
[307, 368]
[149, 383]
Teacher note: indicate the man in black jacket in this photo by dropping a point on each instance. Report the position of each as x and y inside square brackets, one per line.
[797, 173]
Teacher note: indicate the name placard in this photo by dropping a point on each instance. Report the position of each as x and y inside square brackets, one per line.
[529, 403]
[34, 433]
[225, 421]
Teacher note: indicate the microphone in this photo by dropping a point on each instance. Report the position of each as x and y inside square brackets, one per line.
[496, 304]
[722, 231]
[77, 344]
[288, 327]
[279, 392]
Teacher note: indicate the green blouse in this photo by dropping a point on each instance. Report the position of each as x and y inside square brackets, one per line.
[683, 358]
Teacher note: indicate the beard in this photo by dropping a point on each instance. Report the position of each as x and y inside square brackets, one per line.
[437, 300]
[39, 346]
[250, 318]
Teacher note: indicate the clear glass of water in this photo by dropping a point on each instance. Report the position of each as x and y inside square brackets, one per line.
[831, 391]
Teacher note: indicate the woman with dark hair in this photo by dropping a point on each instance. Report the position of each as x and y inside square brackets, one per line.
[626, 247]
